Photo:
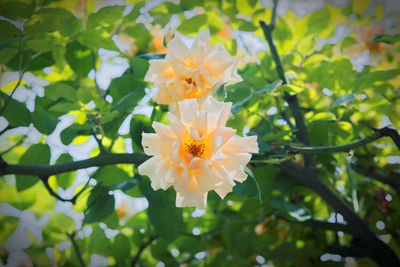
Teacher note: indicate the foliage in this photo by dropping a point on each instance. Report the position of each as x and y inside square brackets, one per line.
[57, 107]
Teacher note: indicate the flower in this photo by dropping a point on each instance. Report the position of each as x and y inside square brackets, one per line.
[197, 153]
[191, 73]
[365, 41]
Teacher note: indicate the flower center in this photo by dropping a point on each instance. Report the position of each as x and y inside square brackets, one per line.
[190, 81]
[195, 148]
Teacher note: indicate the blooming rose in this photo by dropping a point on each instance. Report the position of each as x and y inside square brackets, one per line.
[191, 73]
[197, 153]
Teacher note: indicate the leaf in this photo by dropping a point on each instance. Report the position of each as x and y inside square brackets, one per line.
[162, 213]
[121, 249]
[129, 101]
[344, 99]
[100, 205]
[269, 87]
[318, 21]
[368, 80]
[111, 175]
[8, 32]
[139, 124]
[105, 17]
[275, 136]
[58, 90]
[79, 57]
[16, 9]
[64, 107]
[193, 24]
[96, 39]
[323, 116]
[48, 20]
[42, 43]
[16, 112]
[43, 121]
[219, 92]
[306, 45]
[152, 55]
[291, 89]
[385, 38]
[65, 180]
[36, 154]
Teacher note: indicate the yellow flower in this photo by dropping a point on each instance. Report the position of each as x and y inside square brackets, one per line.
[191, 73]
[197, 153]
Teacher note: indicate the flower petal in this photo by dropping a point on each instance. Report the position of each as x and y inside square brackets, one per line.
[217, 113]
[227, 183]
[241, 145]
[218, 60]
[177, 48]
[177, 126]
[188, 110]
[151, 144]
[156, 169]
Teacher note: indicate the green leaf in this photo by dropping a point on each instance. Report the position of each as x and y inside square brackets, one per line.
[344, 99]
[318, 21]
[275, 136]
[193, 24]
[128, 102]
[306, 45]
[79, 57]
[64, 107]
[219, 92]
[8, 32]
[100, 205]
[48, 20]
[323, 116]
[139, 124]
[36, 154]
[111, 175]
[96, 39]
[16, 9]
[65, 180]
[389, 39]
[152, 55]
[291, 89]
[105, 17]
[269, 87]
[7, 54]
[59, 223]
[43, 121]
[162, 213]
[16, 112]
[42, 42]
[58, 90]
[369, 79]
[141, 35]
[243, 244]
[121, 249]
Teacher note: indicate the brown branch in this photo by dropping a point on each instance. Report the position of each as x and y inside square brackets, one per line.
[142, 247]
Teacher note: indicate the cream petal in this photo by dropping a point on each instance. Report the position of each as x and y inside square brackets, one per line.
[166, 144]
[235, 161]
[157, 68]
[220, 136]
[218, 61]
[198, 52]
[178, 48]
[161, 128]
[178, 128]
[207, 177]
[204, 36]
[227, 183]
[155, 168]
[200, 122]
[240, 145]
[189, 198]
[151, 144]
[231, 75]
[217, 113]
[188, 109]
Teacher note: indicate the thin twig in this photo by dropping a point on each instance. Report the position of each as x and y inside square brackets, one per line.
[99, 142]
[45, 181]
[76, 248]
[142, 247]
[389, 131]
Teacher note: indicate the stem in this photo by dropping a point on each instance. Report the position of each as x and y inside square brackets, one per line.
[142, 247]
[43, 170]
[334, 149]
[377, 250]
[45, 181]
[76, 248]
[292, 100]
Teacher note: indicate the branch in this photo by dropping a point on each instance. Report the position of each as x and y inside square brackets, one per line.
[142, 247]
[379, 251]
[292, 100]
[45, 181]
[42, 170]
[392, 179]
[317, 224]
[347, 251]
[76, 248]
[99, 142]
[389, 131]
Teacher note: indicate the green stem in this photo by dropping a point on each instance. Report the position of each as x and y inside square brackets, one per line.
[334, 149]
[42, 170]
[76, 248]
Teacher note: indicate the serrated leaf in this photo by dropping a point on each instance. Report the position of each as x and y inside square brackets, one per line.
[36, 154]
